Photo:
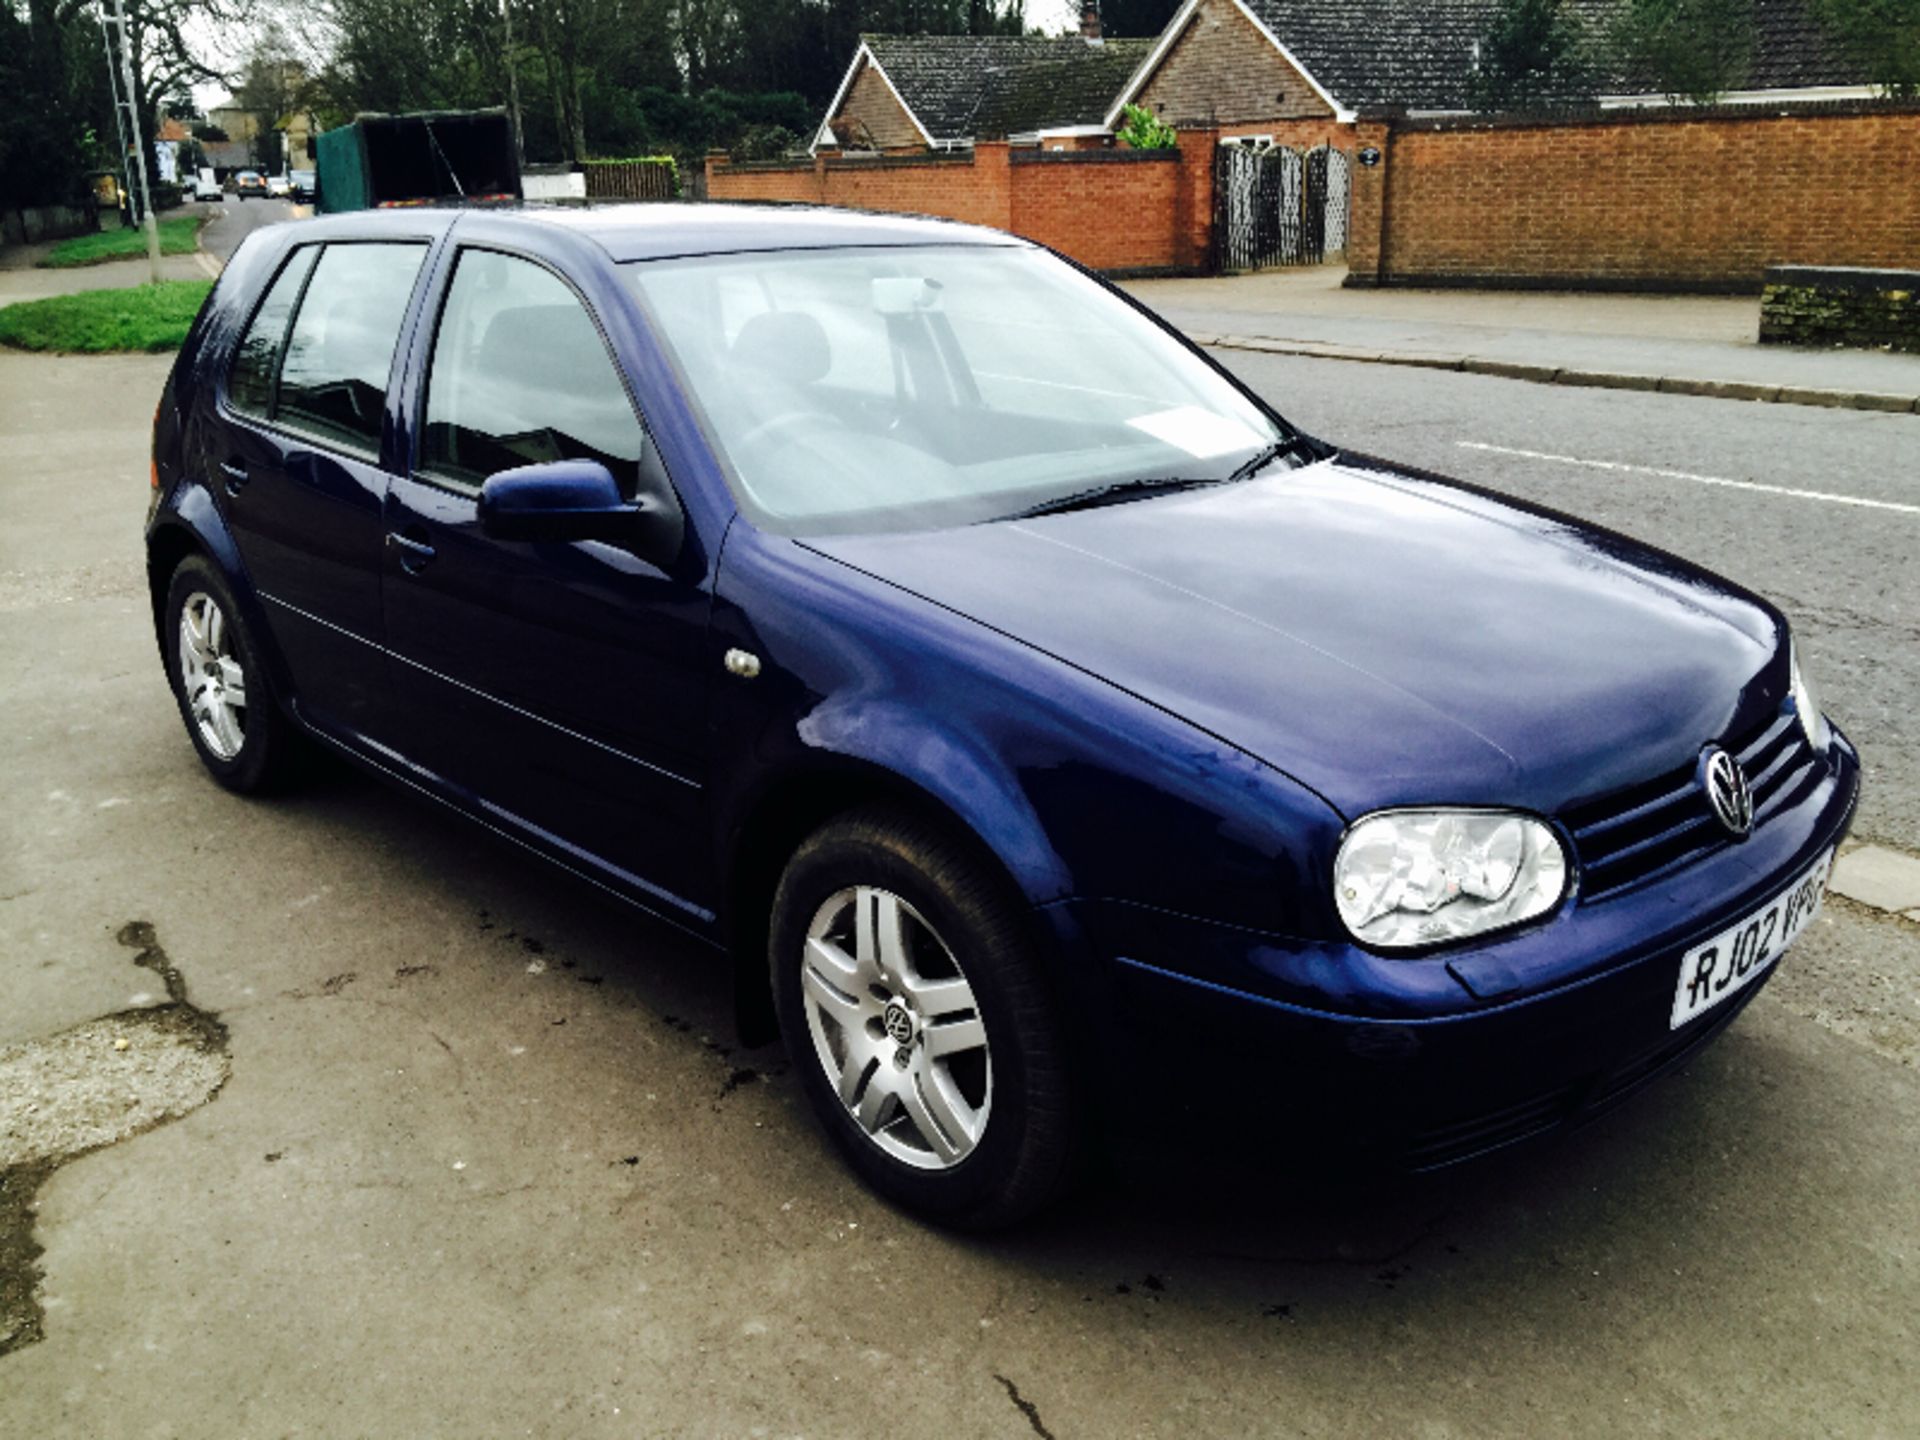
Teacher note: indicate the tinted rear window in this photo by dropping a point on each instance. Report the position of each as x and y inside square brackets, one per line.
[333, 382]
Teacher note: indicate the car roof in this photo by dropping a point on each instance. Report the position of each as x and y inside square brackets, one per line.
[656, 230]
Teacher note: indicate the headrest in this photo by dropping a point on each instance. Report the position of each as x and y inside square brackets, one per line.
[555, 342]
[787, 344]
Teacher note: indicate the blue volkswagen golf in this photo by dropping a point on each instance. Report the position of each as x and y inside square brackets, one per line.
[1031, 718]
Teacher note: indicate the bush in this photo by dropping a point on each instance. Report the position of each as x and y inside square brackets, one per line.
[1145, 130]
[763, 142]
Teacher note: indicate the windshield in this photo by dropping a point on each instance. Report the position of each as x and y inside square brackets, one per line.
[893, 389]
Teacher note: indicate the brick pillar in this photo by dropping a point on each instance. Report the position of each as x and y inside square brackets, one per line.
[1367, 237]
[1193, 198]
[993, 174]
[715, 159]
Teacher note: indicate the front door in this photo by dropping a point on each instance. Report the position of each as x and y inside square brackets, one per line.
[557, 683]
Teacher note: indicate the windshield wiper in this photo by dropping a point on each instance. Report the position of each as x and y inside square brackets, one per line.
[1119, 491]
[1113, 493]
[1294, 444]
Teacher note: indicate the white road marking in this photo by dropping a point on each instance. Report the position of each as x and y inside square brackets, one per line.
[1753, 485]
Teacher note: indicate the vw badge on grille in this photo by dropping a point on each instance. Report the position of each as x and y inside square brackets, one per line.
[1727, 792]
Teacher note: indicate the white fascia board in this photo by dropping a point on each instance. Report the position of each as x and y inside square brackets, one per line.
[1060, 131]
[1341, 114]
[846, 83]
[833, 105]
[1168, 36]
[1751, 97]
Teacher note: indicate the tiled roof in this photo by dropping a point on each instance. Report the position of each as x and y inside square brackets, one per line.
[1417, 53]
[964, 86]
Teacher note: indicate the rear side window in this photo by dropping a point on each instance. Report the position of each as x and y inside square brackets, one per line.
[250, 384]
[333, 381]
[521, 376]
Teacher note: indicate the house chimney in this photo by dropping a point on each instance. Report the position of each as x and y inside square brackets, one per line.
[1090, 22]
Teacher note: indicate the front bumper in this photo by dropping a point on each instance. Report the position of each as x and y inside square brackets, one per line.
[1427, 1061]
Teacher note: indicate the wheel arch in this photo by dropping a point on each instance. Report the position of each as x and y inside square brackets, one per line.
[780, 815]
[191, 525]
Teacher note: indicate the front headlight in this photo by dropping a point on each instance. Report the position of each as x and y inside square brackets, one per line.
[1405, 878]
[1806, 704]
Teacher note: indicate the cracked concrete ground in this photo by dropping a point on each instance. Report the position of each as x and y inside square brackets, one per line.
[488, 1164]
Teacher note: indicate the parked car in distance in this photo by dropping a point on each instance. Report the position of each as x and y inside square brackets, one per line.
[302, 186]
[1042, 729]
[206, 186]
[279, 187]
[249, 184]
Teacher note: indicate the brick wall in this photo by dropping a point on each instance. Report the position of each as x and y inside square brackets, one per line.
[871, 101]
[1222, 70]
[1664, 199]
[1110, 210]
[1115, 210]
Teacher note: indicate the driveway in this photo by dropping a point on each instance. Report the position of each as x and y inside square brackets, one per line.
[482, 1158]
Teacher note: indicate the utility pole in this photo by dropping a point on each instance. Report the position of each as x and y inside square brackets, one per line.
[513, 87]
[119, 119]
[132, 90]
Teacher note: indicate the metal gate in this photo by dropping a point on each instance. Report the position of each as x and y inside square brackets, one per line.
[1277, 206]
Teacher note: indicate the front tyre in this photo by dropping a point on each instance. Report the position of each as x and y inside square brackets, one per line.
[220, 683]
[912, 1003]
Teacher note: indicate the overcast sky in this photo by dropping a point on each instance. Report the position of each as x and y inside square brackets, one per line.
[1054, 16]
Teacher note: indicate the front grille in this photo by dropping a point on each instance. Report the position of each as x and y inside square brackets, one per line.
[1463, 1139]
[1634, 835]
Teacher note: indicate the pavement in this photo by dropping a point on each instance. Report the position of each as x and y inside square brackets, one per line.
[329, 1115]
[1685, 344]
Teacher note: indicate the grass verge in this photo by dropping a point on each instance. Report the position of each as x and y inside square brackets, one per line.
[141, 317]
[176, 238]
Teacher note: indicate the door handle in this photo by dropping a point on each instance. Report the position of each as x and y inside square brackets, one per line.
[415, 555]
[236, 474]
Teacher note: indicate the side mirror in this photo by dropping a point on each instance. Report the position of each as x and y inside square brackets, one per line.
[579, 500]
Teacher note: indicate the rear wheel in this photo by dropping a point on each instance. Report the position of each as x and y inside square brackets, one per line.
[225, 697]
[914, 1009]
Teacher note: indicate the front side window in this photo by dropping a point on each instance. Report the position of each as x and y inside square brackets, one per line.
[257, 361]
[333, 382]
[910, 387]
[521, 376]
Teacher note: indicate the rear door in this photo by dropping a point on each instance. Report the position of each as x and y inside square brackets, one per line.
[298, 456]
[559, 684]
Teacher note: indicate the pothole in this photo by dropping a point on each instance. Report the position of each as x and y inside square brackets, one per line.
[68, 1094]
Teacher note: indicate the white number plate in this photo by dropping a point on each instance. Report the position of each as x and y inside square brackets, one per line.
[1740, 954]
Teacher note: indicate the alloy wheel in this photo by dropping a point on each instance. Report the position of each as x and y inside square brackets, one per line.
[211, 677]
[896, 1028]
